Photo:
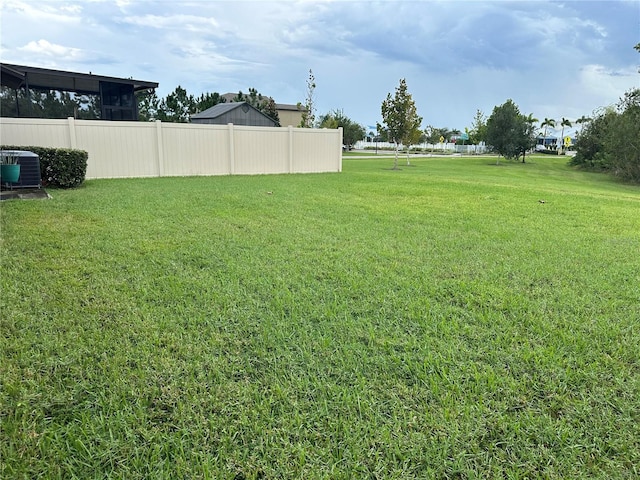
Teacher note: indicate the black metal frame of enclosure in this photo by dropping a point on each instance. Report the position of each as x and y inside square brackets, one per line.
[117, 95]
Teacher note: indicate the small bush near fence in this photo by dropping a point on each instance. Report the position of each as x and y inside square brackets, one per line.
[59, 167]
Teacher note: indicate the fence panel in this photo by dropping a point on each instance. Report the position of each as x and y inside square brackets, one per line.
[195, 149]
[317, 150]
[118, 149]
[261, 150]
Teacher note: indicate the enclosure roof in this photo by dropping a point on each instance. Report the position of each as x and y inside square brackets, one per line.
[18, 76]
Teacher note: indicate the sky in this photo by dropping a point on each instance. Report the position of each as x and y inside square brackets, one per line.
[554, 59]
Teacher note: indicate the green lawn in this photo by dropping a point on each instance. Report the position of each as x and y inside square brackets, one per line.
[434, 322]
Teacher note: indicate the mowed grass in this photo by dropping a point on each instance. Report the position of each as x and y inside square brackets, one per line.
[434, 322]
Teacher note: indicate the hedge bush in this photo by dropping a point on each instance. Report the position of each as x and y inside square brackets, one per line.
[59, 167]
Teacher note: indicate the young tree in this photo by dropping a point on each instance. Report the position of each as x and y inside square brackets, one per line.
[478, 131]
[412, 137]
[309, 110]
[508, 131]
[400, 116]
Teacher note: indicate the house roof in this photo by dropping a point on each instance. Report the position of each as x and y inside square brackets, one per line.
[18, 76]
[279, 106]
[221, 108]
[217, 110]
[287, 106]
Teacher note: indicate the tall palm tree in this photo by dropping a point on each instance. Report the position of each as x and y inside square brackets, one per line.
[583, 120]
[548, 122]
[564, 123]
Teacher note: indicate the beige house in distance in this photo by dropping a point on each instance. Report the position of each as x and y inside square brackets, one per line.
[287, 113]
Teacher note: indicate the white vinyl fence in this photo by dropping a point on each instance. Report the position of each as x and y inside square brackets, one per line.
[156, 149]
[425, 147]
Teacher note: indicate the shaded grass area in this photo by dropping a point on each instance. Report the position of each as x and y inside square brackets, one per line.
[435, 322]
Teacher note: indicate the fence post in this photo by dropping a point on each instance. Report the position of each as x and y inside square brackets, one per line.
[340, 135]
[160, 157]
[232, 153]
[290, 128]
[72, 132]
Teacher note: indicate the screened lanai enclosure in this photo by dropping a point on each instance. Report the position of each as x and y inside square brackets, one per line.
[45, 93]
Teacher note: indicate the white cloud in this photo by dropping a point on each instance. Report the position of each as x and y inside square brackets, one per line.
[553, 59]
[43, 47]
[47, 12]
[606, 83]
[192, 23]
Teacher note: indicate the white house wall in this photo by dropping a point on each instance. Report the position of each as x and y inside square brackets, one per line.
[152, 149]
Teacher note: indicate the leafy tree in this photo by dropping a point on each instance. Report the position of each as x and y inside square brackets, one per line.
[412, 137]
[261, 102]
[148, 105]
[609, 142]
[509, 132]
[207, 100]
[176, 106]
[400, 116]
[271, 110]
[309, 110]
[351, 131]
[433, 134]
[255, 99]
[478, 131]
[590, 148]
[623, 139]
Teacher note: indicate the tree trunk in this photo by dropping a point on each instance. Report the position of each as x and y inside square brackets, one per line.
[395, 163]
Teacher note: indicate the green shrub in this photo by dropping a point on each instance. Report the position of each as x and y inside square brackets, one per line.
[59, 167]
[608, 143]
